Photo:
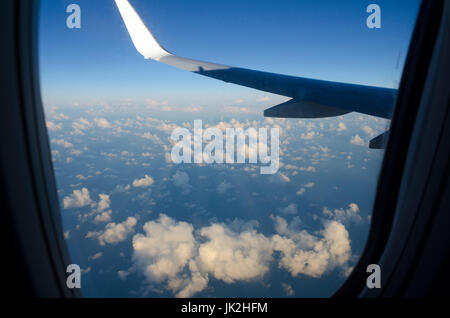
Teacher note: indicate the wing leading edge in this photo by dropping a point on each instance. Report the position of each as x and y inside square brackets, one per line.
[311, 98]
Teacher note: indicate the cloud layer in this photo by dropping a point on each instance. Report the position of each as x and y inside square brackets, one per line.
[172, 255]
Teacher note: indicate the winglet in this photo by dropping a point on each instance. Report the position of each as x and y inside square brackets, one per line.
[142, 38]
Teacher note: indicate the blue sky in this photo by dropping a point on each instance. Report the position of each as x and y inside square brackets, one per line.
[318, 39]
[141, 225]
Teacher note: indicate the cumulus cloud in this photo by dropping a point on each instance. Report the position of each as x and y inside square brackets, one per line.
[80, 125]
[78, 199]
[144, 182]
[357, 140]
[368, 130]
[173, 255]
[164, 251]
[103, 217]
[313, 255]
[115, 233]
[104, 202]
[344, 215]
[290, 209]
[102, 123]
[341, 127]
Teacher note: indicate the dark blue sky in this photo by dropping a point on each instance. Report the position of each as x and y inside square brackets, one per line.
[318, 39]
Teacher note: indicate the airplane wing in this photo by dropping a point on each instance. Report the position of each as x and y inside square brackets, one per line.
[311, 98]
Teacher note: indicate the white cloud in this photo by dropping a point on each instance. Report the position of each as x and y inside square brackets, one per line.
[309, 185]
[231, 256]
[279, 178]
[96, 256]
[165, 249]
[223, 187]
[144, 182]
[62, 143]
[115, 233]
[52, 126]
[307, 254]
[102, 123]
[170, 255]
[80, 125]
[104, 202]
[288, 289]
[308, 135]
[123, 274]
[290, 209]
[181, 180]
[341, 127]
[368, 130]
[356, 140]
[301, 191]
[78, 199]
[344, 215]
[103, 217]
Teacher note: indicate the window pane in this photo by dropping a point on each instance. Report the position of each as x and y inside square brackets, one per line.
[141, 224]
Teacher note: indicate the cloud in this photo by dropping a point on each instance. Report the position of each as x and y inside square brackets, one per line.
[144, 182]
[263, 99]
[104, 202]
[231, 256]
[279, 178]
[166, 248]
[172, 254]
[311, 255]
[181, 180]
[223, 187]
[302, 190]
[62, 142]
[341, 127]
[344, 215]
[78, 199]
[288, 289]
[115, 233]
[290, 209]
[103, 217]
[309, 169]
[52, 126]
[80, 125]
[102, 123]
[123, 275]
[356, 140]
[308, 135]
[95, 256]
[368, 130]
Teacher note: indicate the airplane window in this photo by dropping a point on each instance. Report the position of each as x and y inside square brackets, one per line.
[219, 148]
